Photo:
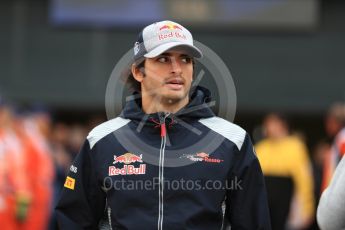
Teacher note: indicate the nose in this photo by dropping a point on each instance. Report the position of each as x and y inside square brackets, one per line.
[175, 66]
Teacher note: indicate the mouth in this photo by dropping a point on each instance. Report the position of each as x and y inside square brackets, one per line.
[175, 83]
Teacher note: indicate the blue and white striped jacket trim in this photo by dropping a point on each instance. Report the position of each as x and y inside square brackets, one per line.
[230, 131]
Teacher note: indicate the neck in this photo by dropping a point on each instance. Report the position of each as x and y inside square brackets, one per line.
[279, 136]
[152, 105]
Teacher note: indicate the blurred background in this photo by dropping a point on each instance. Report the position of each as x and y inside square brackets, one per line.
[285, 56]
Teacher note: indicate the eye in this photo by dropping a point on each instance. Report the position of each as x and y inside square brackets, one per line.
[186, 59]
[163, 59]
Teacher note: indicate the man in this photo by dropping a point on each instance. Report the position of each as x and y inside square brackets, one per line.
[335, 128]
[170, 131]
[34, 130]
[15, 192]
[287, 171]
[331, 209]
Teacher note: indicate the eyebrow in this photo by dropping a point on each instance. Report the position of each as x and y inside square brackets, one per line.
[169, 55]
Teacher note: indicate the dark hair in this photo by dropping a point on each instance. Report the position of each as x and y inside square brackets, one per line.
[280, 116]
[337, 111]
[132, 84]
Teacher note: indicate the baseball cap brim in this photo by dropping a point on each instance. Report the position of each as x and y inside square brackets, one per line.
[189, 49]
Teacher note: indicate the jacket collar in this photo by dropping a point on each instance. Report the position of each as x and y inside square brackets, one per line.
[196, 109]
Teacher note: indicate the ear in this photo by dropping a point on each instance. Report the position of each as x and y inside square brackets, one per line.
[137, 74]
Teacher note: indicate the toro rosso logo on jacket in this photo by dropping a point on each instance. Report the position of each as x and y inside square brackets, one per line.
[201, 157]
[125, 167]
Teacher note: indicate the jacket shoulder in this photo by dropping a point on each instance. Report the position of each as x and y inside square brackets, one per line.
[104, 129]
[227, 129]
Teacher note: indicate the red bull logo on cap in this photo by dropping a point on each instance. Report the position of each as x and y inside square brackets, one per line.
[126, 159]
[170, 26]
[172, 32]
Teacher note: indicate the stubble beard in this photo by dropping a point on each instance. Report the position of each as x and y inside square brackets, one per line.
[175, 100]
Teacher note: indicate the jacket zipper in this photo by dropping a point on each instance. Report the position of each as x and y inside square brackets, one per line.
[161, 170]
[223, 212]
[109, 218]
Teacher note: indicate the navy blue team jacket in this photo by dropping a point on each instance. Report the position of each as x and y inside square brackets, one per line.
[188, 170]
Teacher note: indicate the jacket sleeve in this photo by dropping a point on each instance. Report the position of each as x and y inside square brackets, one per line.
[82, 201]
[247, 205]
[331, 209]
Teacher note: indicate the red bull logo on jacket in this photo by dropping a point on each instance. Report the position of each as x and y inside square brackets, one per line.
[127, 169]
[128, 158]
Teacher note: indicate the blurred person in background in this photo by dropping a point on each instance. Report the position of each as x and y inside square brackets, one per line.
[15, 193]
[94, 121]
[319, 155]
[331, 209]
[287, 171]
[34, 130]
[59, 143]
[62, 160]
[76, 136]
[335, 129]
[327, 152]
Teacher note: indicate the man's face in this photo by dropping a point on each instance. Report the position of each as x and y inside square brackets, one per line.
[168, 77]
